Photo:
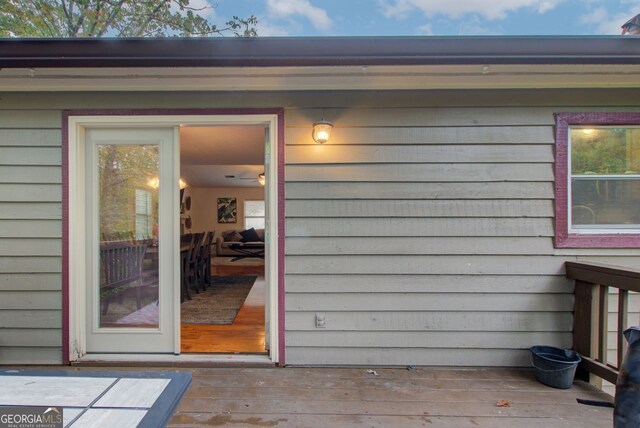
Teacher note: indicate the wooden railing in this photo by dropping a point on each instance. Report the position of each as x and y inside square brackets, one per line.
[590, 319]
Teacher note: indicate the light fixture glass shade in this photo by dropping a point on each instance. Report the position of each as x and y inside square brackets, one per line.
[261, 179]
[155, 183]
[322, 131]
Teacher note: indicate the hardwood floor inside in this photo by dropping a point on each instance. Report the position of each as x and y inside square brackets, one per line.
[246, 335]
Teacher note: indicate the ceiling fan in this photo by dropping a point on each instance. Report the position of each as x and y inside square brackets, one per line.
[260, 178]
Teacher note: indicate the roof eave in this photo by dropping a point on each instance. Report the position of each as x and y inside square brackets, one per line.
[310, 52]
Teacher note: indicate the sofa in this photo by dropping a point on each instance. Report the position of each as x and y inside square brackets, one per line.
[231, 237]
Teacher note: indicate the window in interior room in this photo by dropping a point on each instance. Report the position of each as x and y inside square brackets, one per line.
[254, 214]
[144, 226]
[598, 180]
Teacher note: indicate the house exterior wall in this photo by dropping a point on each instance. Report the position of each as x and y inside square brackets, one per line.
[423, 231]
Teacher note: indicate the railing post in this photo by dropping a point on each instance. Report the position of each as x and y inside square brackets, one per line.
[603, 324]
[585, 323]
[623, 315]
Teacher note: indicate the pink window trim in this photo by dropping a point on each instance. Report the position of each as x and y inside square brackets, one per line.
[563, 238]
[147, 112]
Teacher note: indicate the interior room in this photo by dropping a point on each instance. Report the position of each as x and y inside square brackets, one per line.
[222, 223]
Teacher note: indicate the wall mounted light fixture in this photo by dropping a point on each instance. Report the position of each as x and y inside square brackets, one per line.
[155, 183]
[261, 179]
[321, 131]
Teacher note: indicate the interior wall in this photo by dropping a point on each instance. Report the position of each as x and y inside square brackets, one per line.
[204, 211]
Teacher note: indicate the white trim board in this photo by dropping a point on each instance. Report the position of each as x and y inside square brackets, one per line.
[475, 76]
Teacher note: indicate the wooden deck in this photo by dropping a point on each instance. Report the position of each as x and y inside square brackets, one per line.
[326, 397]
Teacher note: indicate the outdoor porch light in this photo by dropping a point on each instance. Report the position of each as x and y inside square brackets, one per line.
[261, 179]
[321, 131]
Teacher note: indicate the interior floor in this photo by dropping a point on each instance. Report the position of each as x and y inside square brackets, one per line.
[247, 333]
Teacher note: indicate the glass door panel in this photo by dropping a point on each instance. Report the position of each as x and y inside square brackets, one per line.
[128, 225]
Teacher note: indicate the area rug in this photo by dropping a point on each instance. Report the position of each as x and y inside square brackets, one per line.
[218, 304]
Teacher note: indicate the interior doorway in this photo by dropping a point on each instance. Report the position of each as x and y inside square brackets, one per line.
[222, 225]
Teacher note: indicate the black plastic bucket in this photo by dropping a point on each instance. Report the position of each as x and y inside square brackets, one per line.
[554, 366]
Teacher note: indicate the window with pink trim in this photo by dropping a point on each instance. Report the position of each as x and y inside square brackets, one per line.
[597, 180]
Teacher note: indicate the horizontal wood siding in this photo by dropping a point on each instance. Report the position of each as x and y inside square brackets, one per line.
[424, 235]
[30, 236]
[421, 229]
[434, 191]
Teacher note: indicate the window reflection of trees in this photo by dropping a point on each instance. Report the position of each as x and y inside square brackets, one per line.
[126, 171]
[605, 185]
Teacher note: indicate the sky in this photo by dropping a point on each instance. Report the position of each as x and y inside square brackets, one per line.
[428, 17]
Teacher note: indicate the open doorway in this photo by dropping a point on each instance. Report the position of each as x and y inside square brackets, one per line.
[222, 236]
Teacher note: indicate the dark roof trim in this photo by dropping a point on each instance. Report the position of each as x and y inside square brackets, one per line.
[315, 51]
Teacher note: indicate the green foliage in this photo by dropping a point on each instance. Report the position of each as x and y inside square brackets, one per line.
[118, 18]
[604, 151]
[122, 170]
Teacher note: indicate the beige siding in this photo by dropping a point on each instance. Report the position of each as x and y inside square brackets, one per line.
[431, 283]
[424, 235]
[350, 190]
[30, 281]
[507, 135]
[422, 231]
[421, 208]
[30, 236]
[343, 245]
[436, 320]
[20, 355]
[405, 154]
[419, 172]
[386, 226]
[44, 319]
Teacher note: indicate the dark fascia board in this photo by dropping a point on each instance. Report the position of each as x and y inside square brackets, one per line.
[318, 51]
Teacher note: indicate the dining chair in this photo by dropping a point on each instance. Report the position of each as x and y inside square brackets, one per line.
[204, 260]
[184, 267]
[193, 264]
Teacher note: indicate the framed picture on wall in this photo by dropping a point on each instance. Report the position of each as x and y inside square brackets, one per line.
[227, 210]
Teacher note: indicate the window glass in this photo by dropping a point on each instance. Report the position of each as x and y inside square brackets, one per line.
[254, 213]
[128, 219]
[605, 178]
[254, 208]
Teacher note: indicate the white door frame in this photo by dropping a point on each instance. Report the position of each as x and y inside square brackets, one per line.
[77, 221]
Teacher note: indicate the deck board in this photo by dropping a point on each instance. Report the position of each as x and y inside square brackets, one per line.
[309, 397]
